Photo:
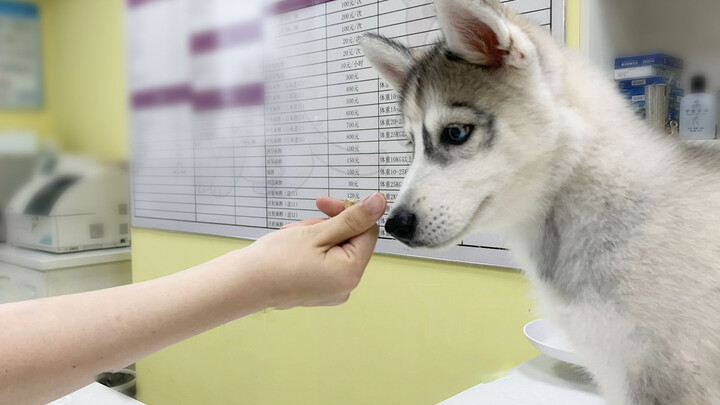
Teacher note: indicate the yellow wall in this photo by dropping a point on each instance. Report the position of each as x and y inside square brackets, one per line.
[572, 23]
[84, 79]
[41, 121]
[88, 52]
[415, 331]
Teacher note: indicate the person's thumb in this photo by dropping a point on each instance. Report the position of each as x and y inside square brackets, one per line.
[351, 222]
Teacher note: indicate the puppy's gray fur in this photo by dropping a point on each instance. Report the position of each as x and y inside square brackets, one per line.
[618, 227]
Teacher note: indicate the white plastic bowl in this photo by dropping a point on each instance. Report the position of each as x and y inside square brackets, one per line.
[550, 341]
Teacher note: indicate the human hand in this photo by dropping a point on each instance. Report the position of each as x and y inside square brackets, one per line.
[318, 261]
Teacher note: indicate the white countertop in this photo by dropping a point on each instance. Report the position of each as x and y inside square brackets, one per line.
[44, 261]
[96, 394]
[540, 381]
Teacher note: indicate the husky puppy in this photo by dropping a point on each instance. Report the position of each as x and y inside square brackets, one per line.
[617, 226]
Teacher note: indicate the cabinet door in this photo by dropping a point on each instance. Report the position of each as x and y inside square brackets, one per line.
[19, 284]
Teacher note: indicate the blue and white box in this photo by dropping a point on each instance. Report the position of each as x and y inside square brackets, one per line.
[644, 72]
[636, 91]
[647, 81]
[656, 59]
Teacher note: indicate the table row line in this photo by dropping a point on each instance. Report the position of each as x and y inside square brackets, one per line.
[381, 160]
[258, 198]
[260, 190]
[385, 181]
[337, 35]
[363, 94]
[335, 83]
[255, 222]
[349, 93]
[384, 6]
[205, 203]
[397, 159]
[239, 135]
[227, 185]
[310, 127]
[203, 174]
[302, 149]
[336, 24]
[366, 104]
[373, 114]
[235, 139]
[231, 214]
[263, 222]
[336, 11]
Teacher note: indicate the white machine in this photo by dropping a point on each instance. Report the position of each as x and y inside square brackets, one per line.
[18, 153]
[72, 204]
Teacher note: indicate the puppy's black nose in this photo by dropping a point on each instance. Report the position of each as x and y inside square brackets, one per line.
[402, 225]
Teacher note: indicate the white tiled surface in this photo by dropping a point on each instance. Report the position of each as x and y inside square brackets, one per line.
[95, 394]
[540, 381]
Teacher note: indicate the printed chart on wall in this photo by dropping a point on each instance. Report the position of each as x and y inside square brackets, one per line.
[21, 85]
[244, 112]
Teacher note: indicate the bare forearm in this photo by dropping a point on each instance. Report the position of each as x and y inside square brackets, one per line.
[53, 346]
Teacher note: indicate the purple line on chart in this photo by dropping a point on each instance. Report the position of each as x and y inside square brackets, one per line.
[242, 33]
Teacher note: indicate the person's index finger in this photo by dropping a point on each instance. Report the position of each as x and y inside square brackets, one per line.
[330, 206]
[352, 222]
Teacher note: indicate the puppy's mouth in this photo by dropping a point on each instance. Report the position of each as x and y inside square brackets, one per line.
[459, 235]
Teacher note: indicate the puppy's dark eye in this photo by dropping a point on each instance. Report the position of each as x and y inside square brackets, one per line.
[456, 134]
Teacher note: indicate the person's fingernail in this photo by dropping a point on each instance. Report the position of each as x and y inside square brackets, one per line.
[375, 203]
[290, 225]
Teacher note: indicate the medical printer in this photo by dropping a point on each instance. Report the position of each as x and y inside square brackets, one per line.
[71, 204]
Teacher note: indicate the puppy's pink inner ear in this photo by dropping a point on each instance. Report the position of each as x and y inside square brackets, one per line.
[481, 40]
[396, 74]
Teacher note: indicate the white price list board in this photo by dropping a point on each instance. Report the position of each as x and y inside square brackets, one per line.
[243, 113]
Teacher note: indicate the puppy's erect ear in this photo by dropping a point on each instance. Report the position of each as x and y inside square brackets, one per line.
[479, 32]
[392, 59]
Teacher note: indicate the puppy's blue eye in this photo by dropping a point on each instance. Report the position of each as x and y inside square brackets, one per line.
[456, 134]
